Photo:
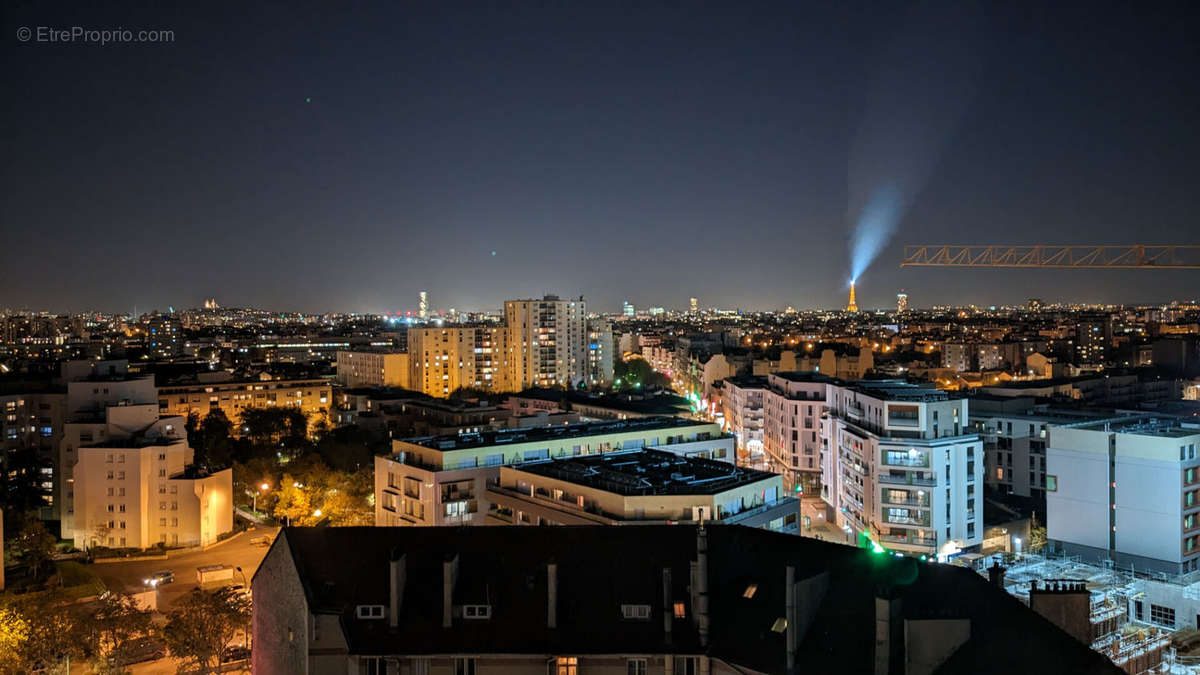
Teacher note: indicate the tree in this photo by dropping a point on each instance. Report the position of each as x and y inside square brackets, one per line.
[1037, 535]
[248, 479]
[51, 630]
[14, 636]
[636, 373]
[293, 502]
[204, 624]
[116, 621]
[214, 441]
[34, 544]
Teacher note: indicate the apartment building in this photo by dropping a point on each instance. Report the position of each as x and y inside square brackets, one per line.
[444, 359]
[88, 401]
[637, 487]
[1126, 489]
[547, 341]
[792, 407]
[33, 420]
[373, 369]
[312, 396]
[136, 488]
[1014, 433]
[742, 408]
[901, 468]
[653, 599]
[601, 351]
[443, 480]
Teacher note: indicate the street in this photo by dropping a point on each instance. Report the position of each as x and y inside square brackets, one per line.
[128, 576]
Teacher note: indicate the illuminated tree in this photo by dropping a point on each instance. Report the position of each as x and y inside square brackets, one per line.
[293, 502]
[14, 636]
[115, 622]
[204, 624]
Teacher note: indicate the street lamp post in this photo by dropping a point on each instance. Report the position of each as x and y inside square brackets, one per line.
[261, 488]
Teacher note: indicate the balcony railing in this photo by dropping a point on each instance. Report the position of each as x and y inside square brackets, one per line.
[918, 460]
[922, 502]
[907, 520]
[929, 542]
[908, 479]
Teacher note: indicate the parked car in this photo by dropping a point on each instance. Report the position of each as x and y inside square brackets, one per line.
[160, 578]
[232, 654]
[139, 651]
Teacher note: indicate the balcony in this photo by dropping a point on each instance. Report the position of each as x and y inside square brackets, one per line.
[918, 521]
[907, 479]
[922, 502]
[916, 459]
[926, 542]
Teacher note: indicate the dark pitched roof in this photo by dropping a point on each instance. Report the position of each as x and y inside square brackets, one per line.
[601, 568]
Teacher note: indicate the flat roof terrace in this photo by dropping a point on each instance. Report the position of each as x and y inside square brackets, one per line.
[646, 472]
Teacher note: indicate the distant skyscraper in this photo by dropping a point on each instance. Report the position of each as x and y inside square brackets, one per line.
[1035, 304]
[423, 307]
[693, 304]
[902, 301]
[852, 306]
[657, 311]
[627, 309]
[547, 341]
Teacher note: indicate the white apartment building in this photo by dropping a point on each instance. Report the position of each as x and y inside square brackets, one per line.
[742, 406]
[443, 480]
[1126, 489]
[88, 400]
[792, 407]
[373, 369]
[900, 468]
[135, 489]
[547, 341]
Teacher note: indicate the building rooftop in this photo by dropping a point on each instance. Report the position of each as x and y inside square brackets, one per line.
[807, 377]
[646, 472]
[601, 568]
[898, 390]
[488, 438]
[1145, 425]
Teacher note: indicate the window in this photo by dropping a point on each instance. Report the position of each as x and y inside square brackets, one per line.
[369, 611]
[464, 666]
[635, 666]
[680, 611]
[566, 665]
[750, 591]
[372, 665]
[687, 665]
[1052, 483]
[477, 611]
[1163, 616]
[638, 612]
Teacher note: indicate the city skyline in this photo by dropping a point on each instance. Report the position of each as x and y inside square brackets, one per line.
[490, 154]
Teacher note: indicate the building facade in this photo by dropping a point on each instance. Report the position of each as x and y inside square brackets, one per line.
[547, 342]
[373, 369]
[1126, 489]
[900, 467]
[444, 480]
[311, 396]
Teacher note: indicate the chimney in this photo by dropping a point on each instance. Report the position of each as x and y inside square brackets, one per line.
[449, 576]
[996, 574]
[397, 573]
[552, 595]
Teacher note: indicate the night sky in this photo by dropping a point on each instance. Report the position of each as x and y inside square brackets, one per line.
[316, 157]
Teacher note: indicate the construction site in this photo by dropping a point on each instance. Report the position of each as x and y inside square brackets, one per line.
[1144, 623]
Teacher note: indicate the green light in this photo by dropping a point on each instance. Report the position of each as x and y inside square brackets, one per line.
[307, 100]
[876, 548]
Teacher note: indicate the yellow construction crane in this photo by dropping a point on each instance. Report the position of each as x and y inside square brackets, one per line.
[1136, 257]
